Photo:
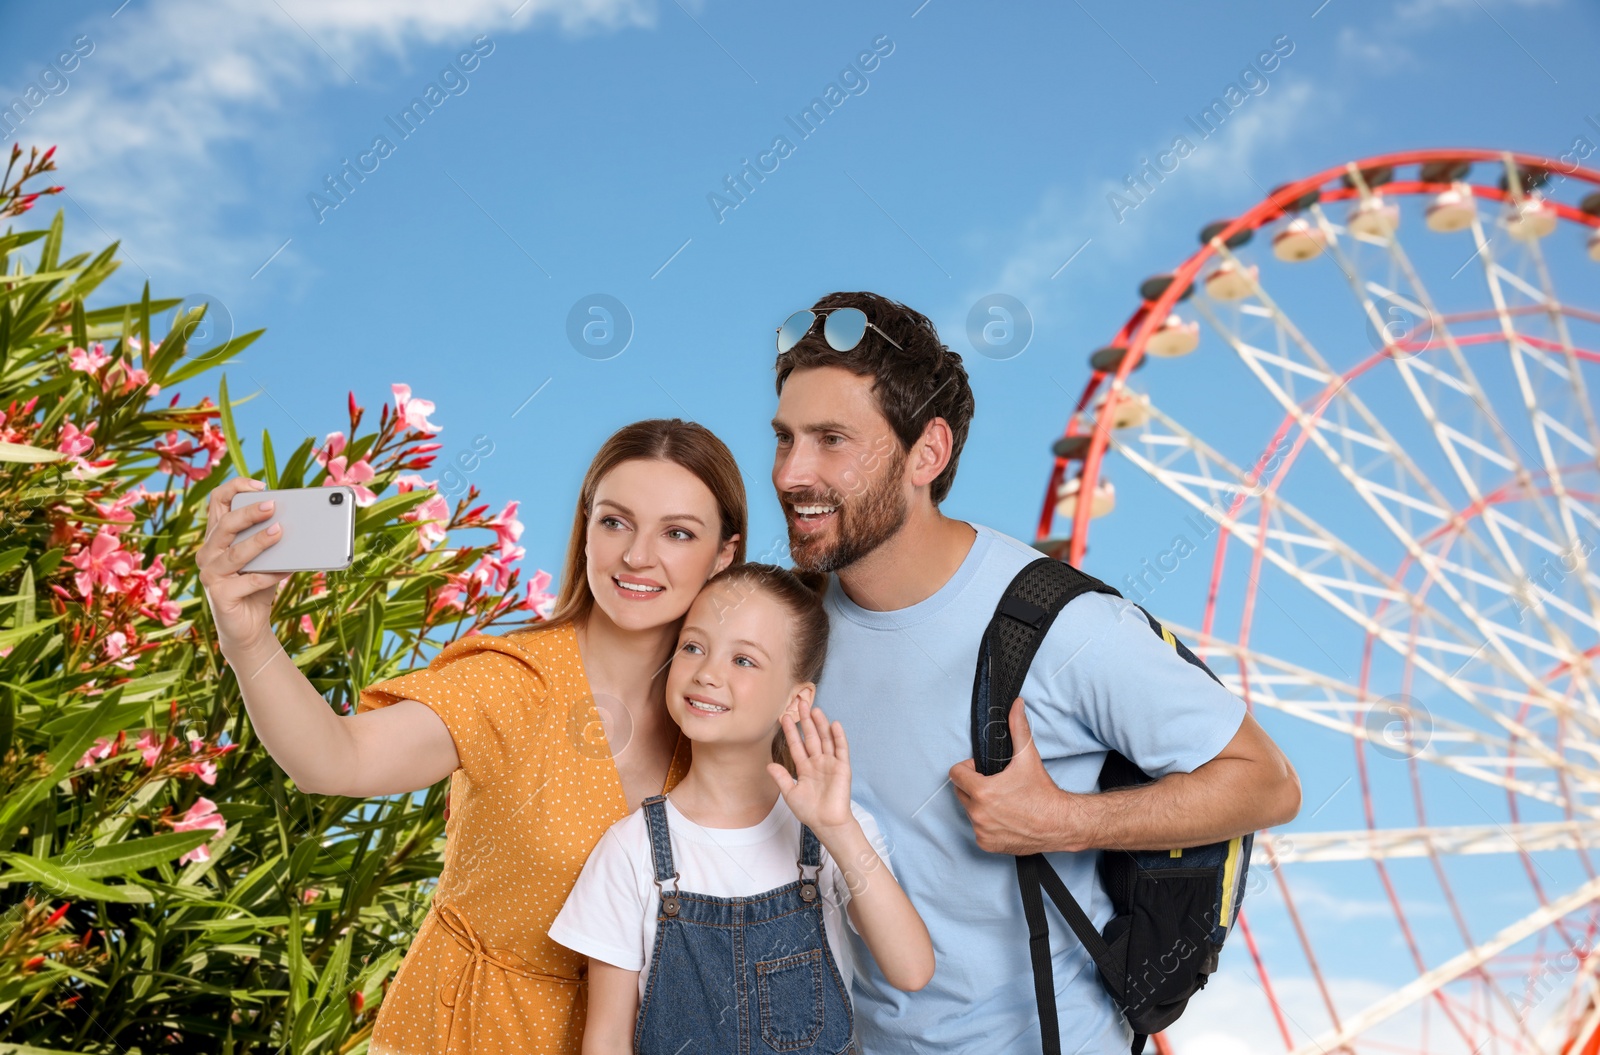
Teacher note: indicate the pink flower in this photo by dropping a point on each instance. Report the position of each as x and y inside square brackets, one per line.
[539, 602]
[431, 516]
[414, 412]
[88, 362]
[103, 746]
[202, 815]
[452, 594]
[83, 469]
[493, 572]
[104, 563]
[175, 454]
[124, 379]
[149, 747]
[309, 628]
[354, 477]
[149, 588]
[205, 769]
[118, 509]
[116, 644]
[507, 529]
[214, 442]
[331, 447]
[75, 442]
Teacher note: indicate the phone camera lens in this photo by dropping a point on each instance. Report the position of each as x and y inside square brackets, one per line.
[337, 498]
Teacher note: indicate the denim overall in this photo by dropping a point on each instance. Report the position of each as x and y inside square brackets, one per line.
[741, 975]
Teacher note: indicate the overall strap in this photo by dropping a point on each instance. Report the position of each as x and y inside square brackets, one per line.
[655, 815]
[810, 848]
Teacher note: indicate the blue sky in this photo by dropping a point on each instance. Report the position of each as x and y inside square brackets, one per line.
[977, 156]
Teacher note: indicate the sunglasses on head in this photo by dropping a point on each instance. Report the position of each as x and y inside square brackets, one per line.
[842, 329]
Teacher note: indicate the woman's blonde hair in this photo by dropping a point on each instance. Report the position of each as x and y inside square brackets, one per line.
[808, 632]
[684, 443]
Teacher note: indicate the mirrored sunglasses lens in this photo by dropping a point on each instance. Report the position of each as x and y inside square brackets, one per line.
[794, 327]
[844, 328]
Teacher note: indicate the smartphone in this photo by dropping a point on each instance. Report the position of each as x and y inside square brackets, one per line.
[319, 528]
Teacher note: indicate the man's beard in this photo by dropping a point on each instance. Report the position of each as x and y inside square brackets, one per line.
[865, 522]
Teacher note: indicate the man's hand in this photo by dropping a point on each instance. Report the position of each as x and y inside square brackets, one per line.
[1019, 810]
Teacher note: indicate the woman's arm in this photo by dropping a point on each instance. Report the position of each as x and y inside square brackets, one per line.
[405, 747]
[613, 1010]
[820, 796]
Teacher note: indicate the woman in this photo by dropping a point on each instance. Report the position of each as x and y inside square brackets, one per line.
[511, 720]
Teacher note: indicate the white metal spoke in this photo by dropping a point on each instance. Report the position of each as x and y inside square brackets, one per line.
[1221, 482]
[1458, 966]
[1363, 844]
[1388, 504]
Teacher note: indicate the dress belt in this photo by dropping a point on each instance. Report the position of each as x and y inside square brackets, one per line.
[478, 955]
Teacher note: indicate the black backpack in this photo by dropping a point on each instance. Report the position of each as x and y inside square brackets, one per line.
[1171, 908]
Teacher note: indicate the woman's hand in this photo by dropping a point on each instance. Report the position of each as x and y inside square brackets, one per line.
[241, 602]
[819, 794]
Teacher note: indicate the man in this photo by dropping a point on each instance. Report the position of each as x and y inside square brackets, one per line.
[870, 425]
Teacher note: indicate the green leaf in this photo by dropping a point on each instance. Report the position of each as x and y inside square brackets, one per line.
[10, 637]
[66, 883]
[269, 460]
[11, 558]
[80, 324]
[59, 763]
[50, 252]
[212, 358]
[232, 436]
[48, 561]
[21, 452]
[126, 858]
[144, 327]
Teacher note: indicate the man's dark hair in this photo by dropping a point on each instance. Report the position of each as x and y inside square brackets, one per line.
[915, 383]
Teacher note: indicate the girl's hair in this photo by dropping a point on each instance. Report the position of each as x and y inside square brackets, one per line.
[684, 443]
[808, 630]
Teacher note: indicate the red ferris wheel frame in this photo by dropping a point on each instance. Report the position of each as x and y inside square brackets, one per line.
[1135, 333]
[1128, 348]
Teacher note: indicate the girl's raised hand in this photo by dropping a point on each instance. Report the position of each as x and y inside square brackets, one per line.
[819, 794]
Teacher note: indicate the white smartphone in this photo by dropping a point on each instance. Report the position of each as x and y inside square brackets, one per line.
[319, 528]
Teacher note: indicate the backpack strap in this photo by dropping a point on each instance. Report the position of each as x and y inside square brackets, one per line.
[1030, 604]
[1026, 610]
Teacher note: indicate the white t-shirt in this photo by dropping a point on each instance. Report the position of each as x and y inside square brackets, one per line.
[611, 913]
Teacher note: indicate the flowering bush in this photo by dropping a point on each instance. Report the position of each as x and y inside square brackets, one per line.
[162, 884]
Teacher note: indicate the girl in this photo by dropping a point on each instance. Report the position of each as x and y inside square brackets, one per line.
[711, 918]
[550, 735]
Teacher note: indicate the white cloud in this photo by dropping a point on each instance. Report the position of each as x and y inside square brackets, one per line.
[1231, 1015]
[1224, 168]
[154, 123]
[1379, 52]
[1425, 11]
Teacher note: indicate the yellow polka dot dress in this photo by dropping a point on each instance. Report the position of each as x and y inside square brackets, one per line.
[536, 789]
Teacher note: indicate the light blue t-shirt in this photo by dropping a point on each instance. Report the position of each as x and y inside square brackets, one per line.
[901, 684]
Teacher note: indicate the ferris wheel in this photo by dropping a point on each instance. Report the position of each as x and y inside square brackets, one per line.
[1363, 420]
